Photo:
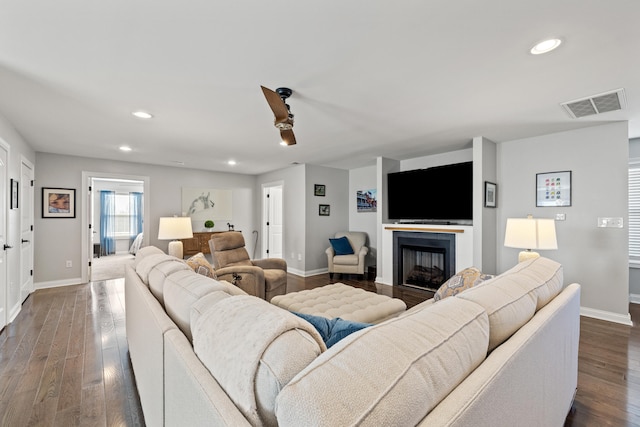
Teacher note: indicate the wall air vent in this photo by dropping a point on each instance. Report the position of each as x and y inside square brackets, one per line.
[595, 104]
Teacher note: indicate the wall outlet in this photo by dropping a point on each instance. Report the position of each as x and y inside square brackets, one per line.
[606, 222]
[69, 264]
[561, 217]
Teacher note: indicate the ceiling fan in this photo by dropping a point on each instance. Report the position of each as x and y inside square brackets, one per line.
[283, 116]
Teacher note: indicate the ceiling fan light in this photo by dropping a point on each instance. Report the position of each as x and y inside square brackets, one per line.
[545, 46]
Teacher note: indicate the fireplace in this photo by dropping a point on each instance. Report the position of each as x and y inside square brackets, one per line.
[423, 259]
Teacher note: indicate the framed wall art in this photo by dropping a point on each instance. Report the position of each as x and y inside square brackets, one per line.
[319, 190]
[366, 200]
[553, 189]
[14, 193]
[490, 194]
[324, 210]
[58, 202]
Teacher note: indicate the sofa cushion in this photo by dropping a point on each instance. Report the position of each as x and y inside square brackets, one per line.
[547, 279]
[147, 263]
[253, 348]
[203, 304]
[341, 246]
[144, 252]
[200, 265]
[393, 373]
[512, 298]
[161, 271]
[182, 289]
[460, 281]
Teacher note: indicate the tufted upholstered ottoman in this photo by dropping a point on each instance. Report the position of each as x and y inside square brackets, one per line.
[340, 300]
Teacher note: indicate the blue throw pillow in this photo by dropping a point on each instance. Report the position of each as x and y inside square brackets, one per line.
[332, 330]
[341, 246]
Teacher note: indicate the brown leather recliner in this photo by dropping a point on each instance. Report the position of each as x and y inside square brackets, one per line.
[264, 278]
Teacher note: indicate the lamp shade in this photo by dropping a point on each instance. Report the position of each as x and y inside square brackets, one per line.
[531, 233]
[172, 228]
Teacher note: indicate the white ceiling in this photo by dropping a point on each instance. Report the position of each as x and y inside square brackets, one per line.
[370, 77]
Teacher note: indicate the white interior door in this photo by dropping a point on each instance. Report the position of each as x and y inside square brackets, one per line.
[26, 229]
[274, 223]
[4, 273]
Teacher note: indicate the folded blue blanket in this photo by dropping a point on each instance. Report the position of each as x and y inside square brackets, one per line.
[332, 330]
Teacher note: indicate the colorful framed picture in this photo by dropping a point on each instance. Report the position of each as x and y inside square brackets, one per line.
[58, 202]
[14, 193]
[324, 210]
[366, 200]
[319, 190]
[490, 194]
[553, 189]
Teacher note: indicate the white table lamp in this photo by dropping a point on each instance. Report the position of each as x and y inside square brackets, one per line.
[530, 233]
[174, 228]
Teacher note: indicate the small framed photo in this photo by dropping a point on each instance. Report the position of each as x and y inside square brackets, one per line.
[324, 210]
[58, 202]
[490, 194]
[319, 190]
[553, 189]
[14, 193]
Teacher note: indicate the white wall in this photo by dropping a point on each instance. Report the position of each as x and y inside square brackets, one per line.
[363, 179]
[18, 149]
[484, 218]
[320, 228]
[294, 213]
[594, 257]
[58, 240]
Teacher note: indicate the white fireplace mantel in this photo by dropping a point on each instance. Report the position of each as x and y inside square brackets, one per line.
[464, 246]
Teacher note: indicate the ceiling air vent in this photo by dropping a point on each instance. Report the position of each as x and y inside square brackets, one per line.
[595, 104]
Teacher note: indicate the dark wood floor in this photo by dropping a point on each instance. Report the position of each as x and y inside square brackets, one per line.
[64, 360]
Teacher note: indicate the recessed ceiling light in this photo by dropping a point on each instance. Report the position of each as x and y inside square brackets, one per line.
[125, 148]
[545, 46]
[231, 162]
[142, 114]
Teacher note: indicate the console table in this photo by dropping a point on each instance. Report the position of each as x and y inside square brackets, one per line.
[198, 243]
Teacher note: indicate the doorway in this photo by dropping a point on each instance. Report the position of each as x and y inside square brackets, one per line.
[273, 224]
[26, 198]
[111, 244]
[4, 243]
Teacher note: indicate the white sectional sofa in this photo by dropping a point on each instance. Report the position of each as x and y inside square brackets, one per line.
[502, 353]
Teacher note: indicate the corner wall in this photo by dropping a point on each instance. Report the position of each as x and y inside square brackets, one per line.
[594, 257]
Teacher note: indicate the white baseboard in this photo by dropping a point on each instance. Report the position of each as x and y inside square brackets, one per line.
[301, 273]
[606, 315]
[634, 298]
[13, 313]
[58, 283]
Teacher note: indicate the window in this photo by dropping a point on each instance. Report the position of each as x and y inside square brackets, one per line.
[122, 215]
[634, 213]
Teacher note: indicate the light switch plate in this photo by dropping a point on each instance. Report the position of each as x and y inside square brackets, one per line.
[561, 217]
[610, 222]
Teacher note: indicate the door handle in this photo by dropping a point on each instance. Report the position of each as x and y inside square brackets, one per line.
[24, 241]
[7, 247]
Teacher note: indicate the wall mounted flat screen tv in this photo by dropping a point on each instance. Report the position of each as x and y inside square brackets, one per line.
[441, 194]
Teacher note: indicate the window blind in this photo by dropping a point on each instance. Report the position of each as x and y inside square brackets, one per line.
[634, 212]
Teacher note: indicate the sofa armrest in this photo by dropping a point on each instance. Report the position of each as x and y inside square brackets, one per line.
[330, 254]
[251, 281]
[271, 263]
